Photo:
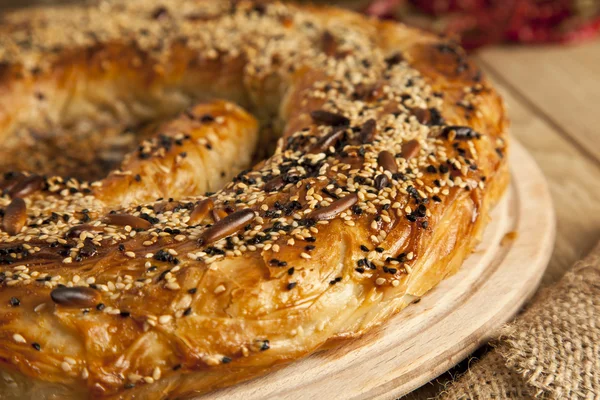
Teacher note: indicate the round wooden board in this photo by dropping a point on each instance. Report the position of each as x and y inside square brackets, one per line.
[451, 321]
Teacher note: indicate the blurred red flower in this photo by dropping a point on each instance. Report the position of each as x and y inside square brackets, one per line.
[481, 22]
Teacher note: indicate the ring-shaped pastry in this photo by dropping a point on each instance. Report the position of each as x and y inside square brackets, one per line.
[187, 268]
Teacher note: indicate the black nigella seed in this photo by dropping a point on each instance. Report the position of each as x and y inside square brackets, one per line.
[207, 118]
[15, 302]
[421, 211]
[461, 132]
[394, 59]
[291, 285]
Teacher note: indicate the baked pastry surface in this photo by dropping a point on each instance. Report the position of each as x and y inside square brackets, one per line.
[187, 268]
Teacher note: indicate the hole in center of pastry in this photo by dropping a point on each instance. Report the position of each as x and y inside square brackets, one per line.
[86, 152]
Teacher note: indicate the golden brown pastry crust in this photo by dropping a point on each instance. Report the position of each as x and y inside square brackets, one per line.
[392, 153]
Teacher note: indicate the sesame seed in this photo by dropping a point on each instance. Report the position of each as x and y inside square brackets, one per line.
[65, 366]
[219, 289]
[18, 338]
[70, 360]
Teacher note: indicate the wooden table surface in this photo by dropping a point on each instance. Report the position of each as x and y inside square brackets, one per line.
[553, 98]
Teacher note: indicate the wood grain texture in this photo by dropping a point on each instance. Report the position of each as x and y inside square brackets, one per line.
[573, 178]
[559, 83]
[447, 324]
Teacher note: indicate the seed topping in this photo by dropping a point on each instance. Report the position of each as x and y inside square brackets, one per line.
[15, 216]
[77, 297]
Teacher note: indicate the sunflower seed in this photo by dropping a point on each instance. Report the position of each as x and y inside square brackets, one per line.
[201, 211]
[82, 297]
[15, 216]
[335, 208]
[410, 149]
[387, 161]
[329, 118]
[227, 226]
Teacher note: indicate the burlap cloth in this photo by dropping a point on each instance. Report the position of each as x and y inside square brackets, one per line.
[551, 351]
